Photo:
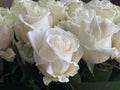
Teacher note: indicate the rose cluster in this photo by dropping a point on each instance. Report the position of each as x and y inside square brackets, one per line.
[55, 35]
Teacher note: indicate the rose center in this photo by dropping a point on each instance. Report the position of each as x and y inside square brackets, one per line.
[61, 42]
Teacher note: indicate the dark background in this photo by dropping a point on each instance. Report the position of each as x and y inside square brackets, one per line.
[7, 3]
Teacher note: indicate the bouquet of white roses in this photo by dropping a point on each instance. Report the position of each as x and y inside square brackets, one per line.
[49, 44]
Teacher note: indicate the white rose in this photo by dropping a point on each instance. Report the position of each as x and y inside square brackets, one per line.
[95, 37]
[67, 2]
[74, 7]
[57, 10]
[4, 11]
[76, 17]
[43, 3]
[28, 15]
[105, 9]
[32, 16]
[5, 35]
[6, 38]
[56, 53]
[116, 44]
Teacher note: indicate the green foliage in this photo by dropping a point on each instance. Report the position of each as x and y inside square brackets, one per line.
[93, 77]
[99, 86]
[91, 68]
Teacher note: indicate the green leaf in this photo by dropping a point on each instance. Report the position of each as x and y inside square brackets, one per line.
[13, 86]
[1, 66]
[26, 73]
[75, 80]
[115, 76]
[102, 73]
[32, 85]
[99, 86]
[58, 86]
[91, 68]
[1, 80]
[14, 67]
[35, 87]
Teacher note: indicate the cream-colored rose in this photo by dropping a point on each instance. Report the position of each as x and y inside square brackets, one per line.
[99, 48]
[92, 31]
[32, 16]
[56, 53]
[6, 34]
[94, 36]
[57, 10]
[116, 44]
[105, 9]
[67, 2]
[74, 7]
[4, 11]
[75, 17]
[43, 3]
[28, 15]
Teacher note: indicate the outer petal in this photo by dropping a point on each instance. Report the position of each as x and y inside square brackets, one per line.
[58, 11]
[5, 35]
[103, 8]
[104, 4]
[8, 55]
[116, 44]
[101, 53]
[21, 29]
[43, 53]
[70, 26]
[43, 3]
[106, 26]
[100, 50]
[30, 16]
[36, 38]
[44, 23]
[73, 6]
[60, 74]
[21, 33]
[4, 11]
[67, 2]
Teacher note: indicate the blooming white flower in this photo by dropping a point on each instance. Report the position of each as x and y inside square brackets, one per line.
[6, 34]
[56, 8]
[116, 44]
[56, 53]
[76, 17]
[98, 47]
[67, 2]
[74, 8]
[43, 3]
[92, 30]
[28, 15]
[105, 9]
[95, 37]
[32, 16]
[4, 11]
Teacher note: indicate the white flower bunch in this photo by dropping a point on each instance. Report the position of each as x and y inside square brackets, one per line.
[55, 35]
